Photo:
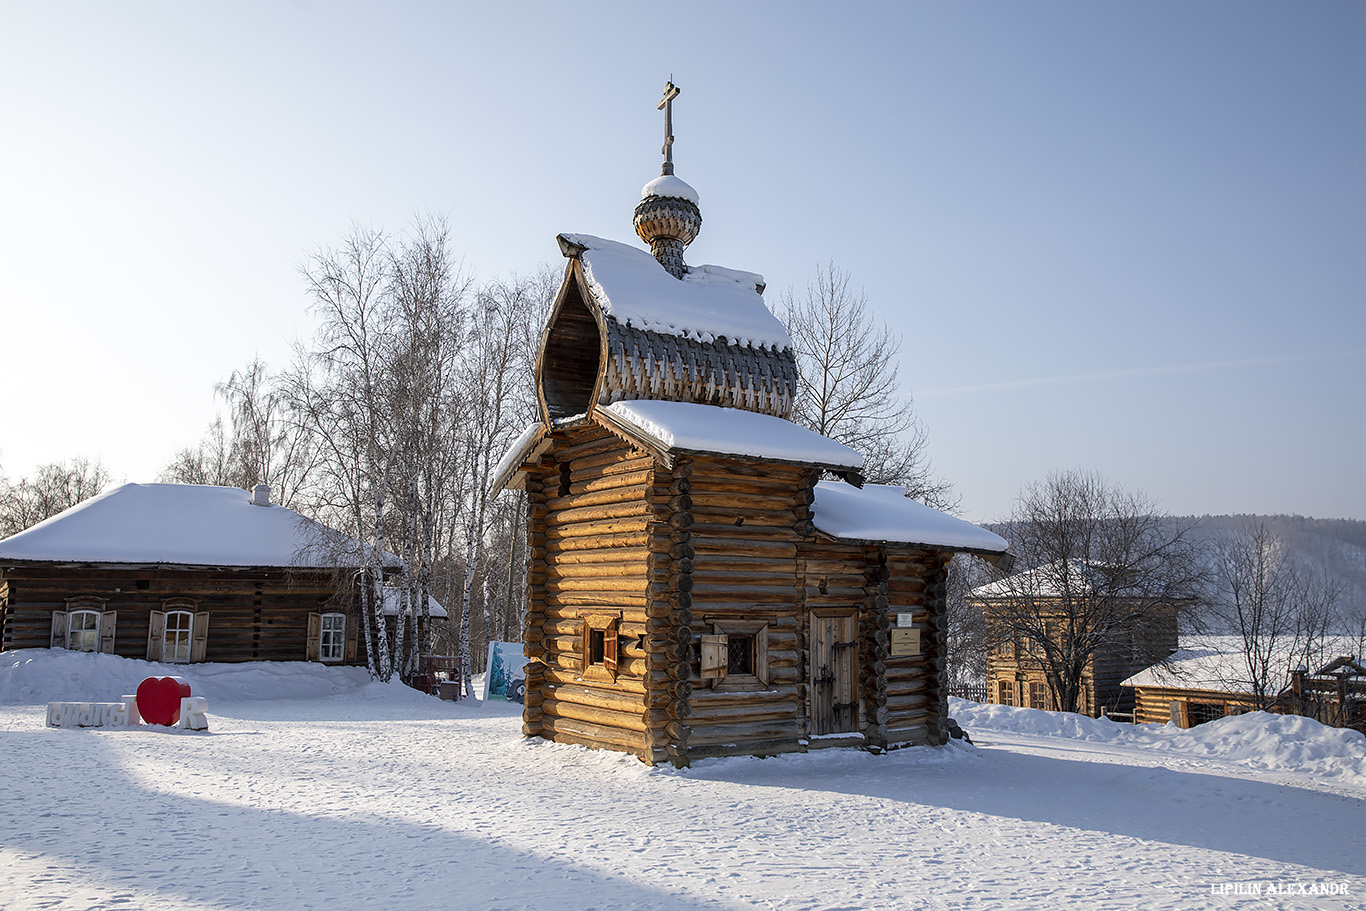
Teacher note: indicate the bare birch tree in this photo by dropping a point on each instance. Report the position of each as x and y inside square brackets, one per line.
[849, 386]
[336, 392]
[1281, 613]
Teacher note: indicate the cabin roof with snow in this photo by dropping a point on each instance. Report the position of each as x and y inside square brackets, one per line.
[179, 525]
[1218, 664]
[623, 327]
[881, 513]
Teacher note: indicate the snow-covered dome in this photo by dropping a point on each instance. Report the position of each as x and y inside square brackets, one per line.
[668, 219]
[669, 186]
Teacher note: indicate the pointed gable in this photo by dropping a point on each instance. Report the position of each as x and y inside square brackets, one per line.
[624, 328]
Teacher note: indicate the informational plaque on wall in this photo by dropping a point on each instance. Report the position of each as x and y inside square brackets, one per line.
[905, 642]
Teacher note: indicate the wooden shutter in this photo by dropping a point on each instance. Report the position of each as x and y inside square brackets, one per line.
[107, 620]
[609, 649]
[199, 636]
[315, 634]
[156, 635]
[714, 655]
[59, 619]
[352, 630]
[761, 654]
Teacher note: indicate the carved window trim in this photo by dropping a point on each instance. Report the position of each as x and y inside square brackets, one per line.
[600, 648]
[715, 655]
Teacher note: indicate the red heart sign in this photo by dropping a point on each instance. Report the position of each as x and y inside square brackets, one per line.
[159, 699]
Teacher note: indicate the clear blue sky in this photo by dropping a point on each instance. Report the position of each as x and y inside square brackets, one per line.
[1121, 237]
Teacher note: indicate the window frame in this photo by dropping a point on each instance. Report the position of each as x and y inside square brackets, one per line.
[104, 630]
[93, 632]
[1005, 692]
[330, 640]
[715, 657]
[607, 624]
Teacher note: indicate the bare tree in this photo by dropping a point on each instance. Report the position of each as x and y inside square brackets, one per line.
[965, 626]
[1280, 612]
[261, 443]
[337, 393]
[53, 488]
[849, 388]
[495, 388]
[1104, 574]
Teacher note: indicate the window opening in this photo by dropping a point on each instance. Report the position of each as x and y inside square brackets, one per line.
[739, 655]
[1203, 712]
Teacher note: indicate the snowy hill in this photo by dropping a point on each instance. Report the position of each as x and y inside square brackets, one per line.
[316, 788]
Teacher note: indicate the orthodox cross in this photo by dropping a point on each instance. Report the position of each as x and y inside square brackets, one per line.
[667, 106]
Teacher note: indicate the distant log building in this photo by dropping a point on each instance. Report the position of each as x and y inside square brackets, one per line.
[180, 573]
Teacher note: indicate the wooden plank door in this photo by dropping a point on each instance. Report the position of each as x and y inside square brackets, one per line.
[834, 673]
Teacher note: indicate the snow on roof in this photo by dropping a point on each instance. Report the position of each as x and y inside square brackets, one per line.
[1040, 582]
[177, 524]
[880, 512]
[1217, 664]
[729, 431]
[669, 186]
[711, 301]
[393, 597]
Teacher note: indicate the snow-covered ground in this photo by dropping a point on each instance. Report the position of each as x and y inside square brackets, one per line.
[316, 788]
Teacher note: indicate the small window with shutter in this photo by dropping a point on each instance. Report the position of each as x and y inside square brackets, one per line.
[600, 646]
[85, 626]
[734, 656]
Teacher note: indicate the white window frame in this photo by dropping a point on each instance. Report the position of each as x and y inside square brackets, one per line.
[332, 642]
[171, 646]
[94, 631]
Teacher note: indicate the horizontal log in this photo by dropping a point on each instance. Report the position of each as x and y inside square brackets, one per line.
[622, 721]
[584, 733]
[601, 513]
[606, 543]
[634, 478]
[558, 676]
[627, 524]
[613, 699]
[702, 736]
[622, 583]
[622, 461]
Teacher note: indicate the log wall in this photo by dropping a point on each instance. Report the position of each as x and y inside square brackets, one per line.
[706, 545]
[256, 614]
[745, 521]
[592, 504]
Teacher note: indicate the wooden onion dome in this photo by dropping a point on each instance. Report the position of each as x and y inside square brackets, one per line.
[623, 329]
[667, 217]
[667, 220]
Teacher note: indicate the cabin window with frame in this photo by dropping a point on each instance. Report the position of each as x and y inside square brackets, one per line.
[85, 626]
[83, 631]
[1038, 696]
[734, 656]
[175, 641]
[600, 646]
[1007, 692]
[332, 637]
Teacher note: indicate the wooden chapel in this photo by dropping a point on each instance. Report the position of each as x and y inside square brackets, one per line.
[695, 588]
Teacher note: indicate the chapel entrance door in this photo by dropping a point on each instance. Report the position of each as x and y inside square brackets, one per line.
[834, 672]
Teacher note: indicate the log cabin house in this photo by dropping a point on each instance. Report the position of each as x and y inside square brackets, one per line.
[180, 573]
[695, 589]
[1015, 674]
[1208, 679]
